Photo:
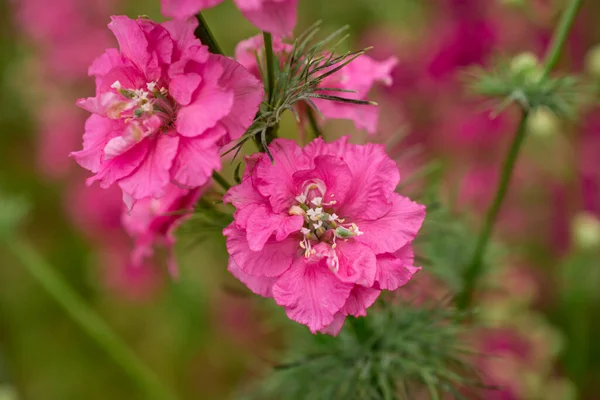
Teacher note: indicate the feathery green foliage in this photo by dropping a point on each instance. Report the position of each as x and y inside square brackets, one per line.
[402, 349]
[522, 81]
[297, 80]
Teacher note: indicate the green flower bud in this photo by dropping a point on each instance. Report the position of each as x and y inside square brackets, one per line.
[542, 123]
[524, 62]
[592, 62]
[586, 231]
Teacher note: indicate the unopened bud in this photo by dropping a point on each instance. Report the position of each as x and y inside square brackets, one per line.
[586, 231]
[8, 393]
[592, 62]
[526, 64]
[542, 123]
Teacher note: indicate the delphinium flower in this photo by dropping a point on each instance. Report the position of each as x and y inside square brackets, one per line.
[97, 214]
[248, 51]
[152, 224]
[321, 230]
[355, 81]
[78, 41]
[275, 16]
[164, 105]
[358, 77]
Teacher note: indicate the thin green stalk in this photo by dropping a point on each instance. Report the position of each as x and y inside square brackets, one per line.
[313, 122]
[270, 60]
[221, 181]
[560, 36]
[205, 35]
[89, 321]
[475, 267]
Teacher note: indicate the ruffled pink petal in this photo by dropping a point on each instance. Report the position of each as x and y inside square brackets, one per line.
[182, 87]
[359, 76]
[211, 104]
[132, 41]
[359, 300]
[365, 117]
[196, 161]
[245, 193]
[260, 285]
[248, 93]
[129, 76]
[246, 52]
[182, 33]
[121, 166]
[333, 172]
[395, 270]
[274, 180]
[159, 41]
[357, 263]
[395, 229]
[375, 177]
[273, 260]
[274, 16]
[110, 59]
[98, 132]
[262, 224]
[311, 294]
[335, 327]
[152, 176]
[181, 9]
[131, 136]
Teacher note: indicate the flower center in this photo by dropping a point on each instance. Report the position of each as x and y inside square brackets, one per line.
[138, 105]
[321, 223]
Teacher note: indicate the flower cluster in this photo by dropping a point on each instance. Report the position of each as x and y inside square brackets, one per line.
[163, 107]
[321, 229]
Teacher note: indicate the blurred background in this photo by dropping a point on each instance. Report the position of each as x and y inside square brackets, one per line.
[205, 335]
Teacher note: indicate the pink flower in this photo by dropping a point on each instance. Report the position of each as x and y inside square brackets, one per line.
[164, 105]
[247, 51]
[128, 281]
[58, 134]
[153, 223]
[77, 41]
[321, 229]
[359, 76]
[275, 16]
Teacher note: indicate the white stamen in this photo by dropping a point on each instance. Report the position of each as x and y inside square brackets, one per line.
[301, 199]
[151, 86]
[318, 224]
[317, 201]
[116, 85]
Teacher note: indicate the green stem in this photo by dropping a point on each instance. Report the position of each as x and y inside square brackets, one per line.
[270, 60]
[475, 267]
[221, 181]
[89, 321]
[313, 122]
[560, 36]
[205, 35]
[361, 330]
